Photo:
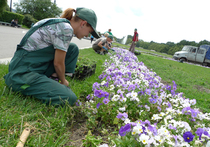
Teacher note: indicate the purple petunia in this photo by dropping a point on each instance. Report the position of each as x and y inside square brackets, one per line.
[171, 127]
[78, 103]
[185, 110]
[123, 116]
[194, 113]
[188, 136]
[106, 94]
[153, 129]
[199, 132]
[106, 101]
[174, 86]
[168, 87]
[96, 85]
[98, 105]
[148, 91]
[152, 101]
[124, 129]
[99, 93]
[159, 109]
[131, 87]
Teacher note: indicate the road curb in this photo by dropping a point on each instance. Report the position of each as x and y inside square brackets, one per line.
[7, 60]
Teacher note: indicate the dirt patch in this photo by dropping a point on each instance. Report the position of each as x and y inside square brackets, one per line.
[202, 89]
[79, 130]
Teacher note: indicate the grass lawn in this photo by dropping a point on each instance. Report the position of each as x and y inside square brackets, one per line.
[66, 126]
[47, 123]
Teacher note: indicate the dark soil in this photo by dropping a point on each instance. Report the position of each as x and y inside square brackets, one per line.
[79, 130]
[202, 89]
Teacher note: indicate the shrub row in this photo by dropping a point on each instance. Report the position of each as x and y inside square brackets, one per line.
[9, 16]
[26, 19]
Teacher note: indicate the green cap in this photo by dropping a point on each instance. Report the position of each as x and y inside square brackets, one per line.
[89, 16]
[110, 36]
[135, 29]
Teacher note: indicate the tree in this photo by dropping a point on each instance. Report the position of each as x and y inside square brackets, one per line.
[3, 4]
[129, 40]
[39, 9]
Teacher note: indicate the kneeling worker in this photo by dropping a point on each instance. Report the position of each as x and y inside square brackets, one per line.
[101, 45]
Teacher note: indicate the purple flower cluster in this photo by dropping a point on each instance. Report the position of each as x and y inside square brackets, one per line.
[134, 91]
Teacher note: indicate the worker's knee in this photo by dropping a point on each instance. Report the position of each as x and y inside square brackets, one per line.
[73, 47]
[71, 97]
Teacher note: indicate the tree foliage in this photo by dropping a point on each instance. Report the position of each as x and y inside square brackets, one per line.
[39, 9]
[3, 4]
[168, 48]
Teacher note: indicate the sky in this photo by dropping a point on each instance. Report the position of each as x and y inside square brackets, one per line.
[160, 21]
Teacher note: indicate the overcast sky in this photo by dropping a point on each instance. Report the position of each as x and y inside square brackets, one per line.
[156, 20]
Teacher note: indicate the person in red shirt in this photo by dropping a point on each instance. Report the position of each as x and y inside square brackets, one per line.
[134, 41]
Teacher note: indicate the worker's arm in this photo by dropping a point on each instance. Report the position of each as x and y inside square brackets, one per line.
[59, 64]
[100, 44]
[137, 37]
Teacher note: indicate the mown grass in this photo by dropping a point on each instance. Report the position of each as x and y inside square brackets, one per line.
[192, 80]
[51, 126]
[142, 50]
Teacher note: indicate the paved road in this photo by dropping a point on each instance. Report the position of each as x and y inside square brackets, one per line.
[10, 37]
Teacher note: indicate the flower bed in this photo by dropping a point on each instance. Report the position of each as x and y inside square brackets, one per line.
[146, 112]
[137, 52]
[84, 68]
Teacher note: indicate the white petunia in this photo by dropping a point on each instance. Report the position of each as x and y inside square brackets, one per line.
[111, 87]
[122, 109]
[144, 138]
[156, 117]
[127, 121]
[138, 129]
[115, 97]
[103, 82]
[159, 139]
[134, 94]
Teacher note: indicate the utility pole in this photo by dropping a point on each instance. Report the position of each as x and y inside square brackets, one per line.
[10, 5]
[54, 1]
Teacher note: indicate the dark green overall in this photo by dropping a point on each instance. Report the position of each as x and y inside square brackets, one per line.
[29, 71]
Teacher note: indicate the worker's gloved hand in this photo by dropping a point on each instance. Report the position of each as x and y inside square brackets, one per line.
[105, 48]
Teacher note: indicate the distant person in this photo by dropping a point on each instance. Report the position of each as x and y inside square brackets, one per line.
[134, 41]
[106, 34]
[109, 31]
[91, 38]
[101, 45]
[14, 23]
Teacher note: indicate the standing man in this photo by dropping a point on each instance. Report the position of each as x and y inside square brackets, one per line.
[109, 31]
[91, 39]
[135, 39]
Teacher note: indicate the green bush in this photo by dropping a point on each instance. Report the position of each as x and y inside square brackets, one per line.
[9, 16]
[28, 20]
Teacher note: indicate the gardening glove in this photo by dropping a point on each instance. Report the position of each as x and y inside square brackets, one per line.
[105, 48]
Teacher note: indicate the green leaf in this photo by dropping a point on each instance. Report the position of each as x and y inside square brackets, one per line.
[116, 120]
[24, 86]
[89, 133]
